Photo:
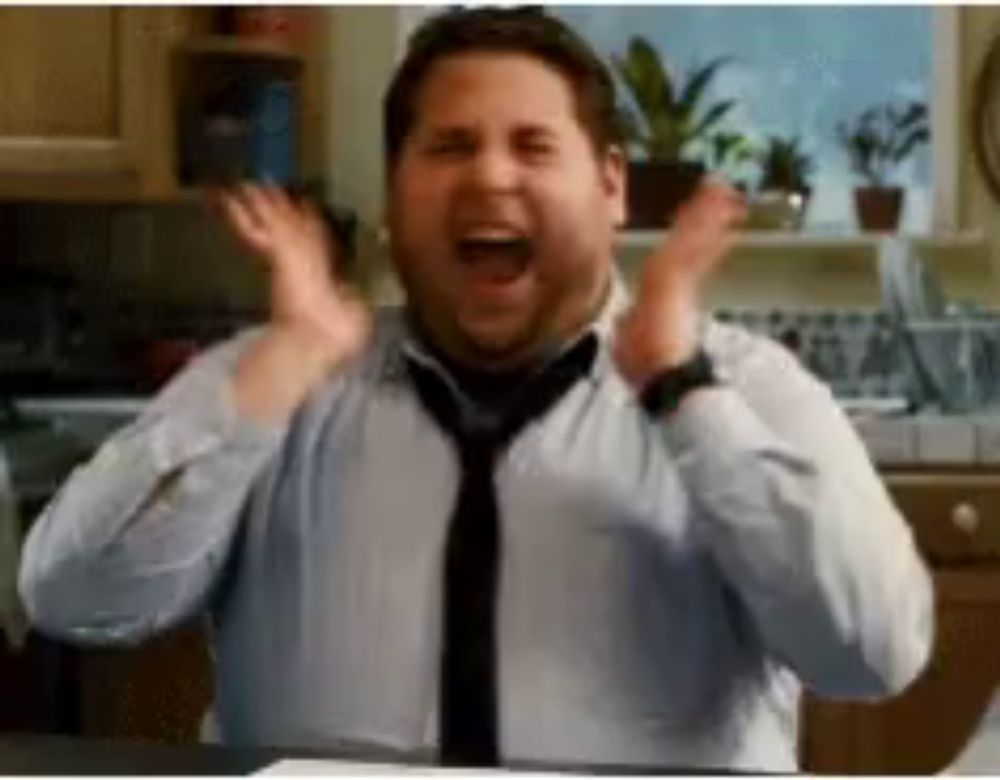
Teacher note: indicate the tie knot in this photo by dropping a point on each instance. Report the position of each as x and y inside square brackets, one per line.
[479, 436]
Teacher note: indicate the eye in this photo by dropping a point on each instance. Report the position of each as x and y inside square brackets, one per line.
[537, 148]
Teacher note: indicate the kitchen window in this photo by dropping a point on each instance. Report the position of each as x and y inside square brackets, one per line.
[800, 70]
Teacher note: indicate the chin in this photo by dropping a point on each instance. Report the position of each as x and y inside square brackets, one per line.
[498, 346]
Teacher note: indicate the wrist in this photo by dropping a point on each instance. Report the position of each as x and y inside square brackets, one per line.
[663, 392]
[279, 370]
[316, 350]
[670, 337]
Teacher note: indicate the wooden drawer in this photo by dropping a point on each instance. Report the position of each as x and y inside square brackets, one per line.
[955, 517]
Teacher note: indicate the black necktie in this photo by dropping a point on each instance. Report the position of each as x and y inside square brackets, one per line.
[468, 682]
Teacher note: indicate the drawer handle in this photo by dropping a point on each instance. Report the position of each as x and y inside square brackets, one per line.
[965, 518]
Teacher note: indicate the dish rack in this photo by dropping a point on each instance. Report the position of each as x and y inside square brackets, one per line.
[955, 361]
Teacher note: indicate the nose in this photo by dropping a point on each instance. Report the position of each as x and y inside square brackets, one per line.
[494, 169]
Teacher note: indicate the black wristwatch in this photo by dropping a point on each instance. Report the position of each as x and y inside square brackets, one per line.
[664, 392]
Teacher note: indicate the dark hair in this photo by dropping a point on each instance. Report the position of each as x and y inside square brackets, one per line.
[524, 30]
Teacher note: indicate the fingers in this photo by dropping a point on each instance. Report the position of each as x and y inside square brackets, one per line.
[714, 205]
[263, 217]
[275, 203]
[702, 235]
[314, 219]
[263, 204]
[240, 217]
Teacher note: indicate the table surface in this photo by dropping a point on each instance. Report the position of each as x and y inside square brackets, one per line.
[37, 754]
[45, 754]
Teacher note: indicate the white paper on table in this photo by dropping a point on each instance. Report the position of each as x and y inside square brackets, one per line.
[310, 766]
[301, 766]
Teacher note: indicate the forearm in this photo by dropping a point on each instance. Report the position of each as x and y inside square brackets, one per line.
[137, 537]
[812, 545]
[278, 371]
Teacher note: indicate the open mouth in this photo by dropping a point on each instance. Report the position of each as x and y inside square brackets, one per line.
[496, 258]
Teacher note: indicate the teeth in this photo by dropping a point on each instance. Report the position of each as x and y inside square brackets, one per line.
[476, 245]
[492, 243]
[491, 231]
[492, 235]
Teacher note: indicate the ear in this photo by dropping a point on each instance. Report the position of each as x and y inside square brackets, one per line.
[614, 180]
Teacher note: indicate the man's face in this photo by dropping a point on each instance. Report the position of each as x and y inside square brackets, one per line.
[502, 215]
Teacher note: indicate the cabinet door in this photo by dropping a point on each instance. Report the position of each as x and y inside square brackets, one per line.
[80, 89]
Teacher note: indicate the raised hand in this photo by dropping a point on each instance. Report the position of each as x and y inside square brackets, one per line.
[660, 330]
[292, 240]
[316, 321]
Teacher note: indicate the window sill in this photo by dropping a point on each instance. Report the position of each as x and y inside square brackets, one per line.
[820, 241]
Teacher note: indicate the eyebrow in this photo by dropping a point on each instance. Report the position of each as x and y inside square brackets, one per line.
[533, 131]
[451, 131]
[465, 131]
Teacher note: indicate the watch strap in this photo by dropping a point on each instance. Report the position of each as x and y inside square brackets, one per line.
[663, 393]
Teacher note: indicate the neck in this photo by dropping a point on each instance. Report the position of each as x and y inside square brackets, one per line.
[472, 363]
[515, 361]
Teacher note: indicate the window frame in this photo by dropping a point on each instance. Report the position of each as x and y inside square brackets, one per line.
[945, 106]
[945, 117]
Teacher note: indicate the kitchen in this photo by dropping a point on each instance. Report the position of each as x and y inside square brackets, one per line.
[114, 273]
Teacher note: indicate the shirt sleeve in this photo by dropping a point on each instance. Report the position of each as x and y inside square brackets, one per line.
[802, 527]
[135, 539]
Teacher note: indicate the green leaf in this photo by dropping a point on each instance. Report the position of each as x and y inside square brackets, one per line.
[712, 116]
[630, 77]
[915, 112]
[666, 137]
[697, 83]
[665, 124]
[653, 87]
[917, 136]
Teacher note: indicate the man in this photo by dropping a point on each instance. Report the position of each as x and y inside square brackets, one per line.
[526, 518]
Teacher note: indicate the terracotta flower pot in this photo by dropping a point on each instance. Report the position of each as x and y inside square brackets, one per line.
[878, 208]
[656, 189]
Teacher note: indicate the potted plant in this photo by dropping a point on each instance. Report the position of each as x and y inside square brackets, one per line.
[660, 126]
[784, 187]
[729, 153]
[877, 141]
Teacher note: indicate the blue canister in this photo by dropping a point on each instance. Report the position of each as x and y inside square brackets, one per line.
[273, 142]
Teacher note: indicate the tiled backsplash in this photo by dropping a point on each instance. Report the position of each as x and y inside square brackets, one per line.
[149, 256]
[932, 439]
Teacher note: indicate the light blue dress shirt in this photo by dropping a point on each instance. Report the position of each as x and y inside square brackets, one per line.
[665, 588]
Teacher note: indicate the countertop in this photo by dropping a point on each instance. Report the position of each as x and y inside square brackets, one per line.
[919, 440]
